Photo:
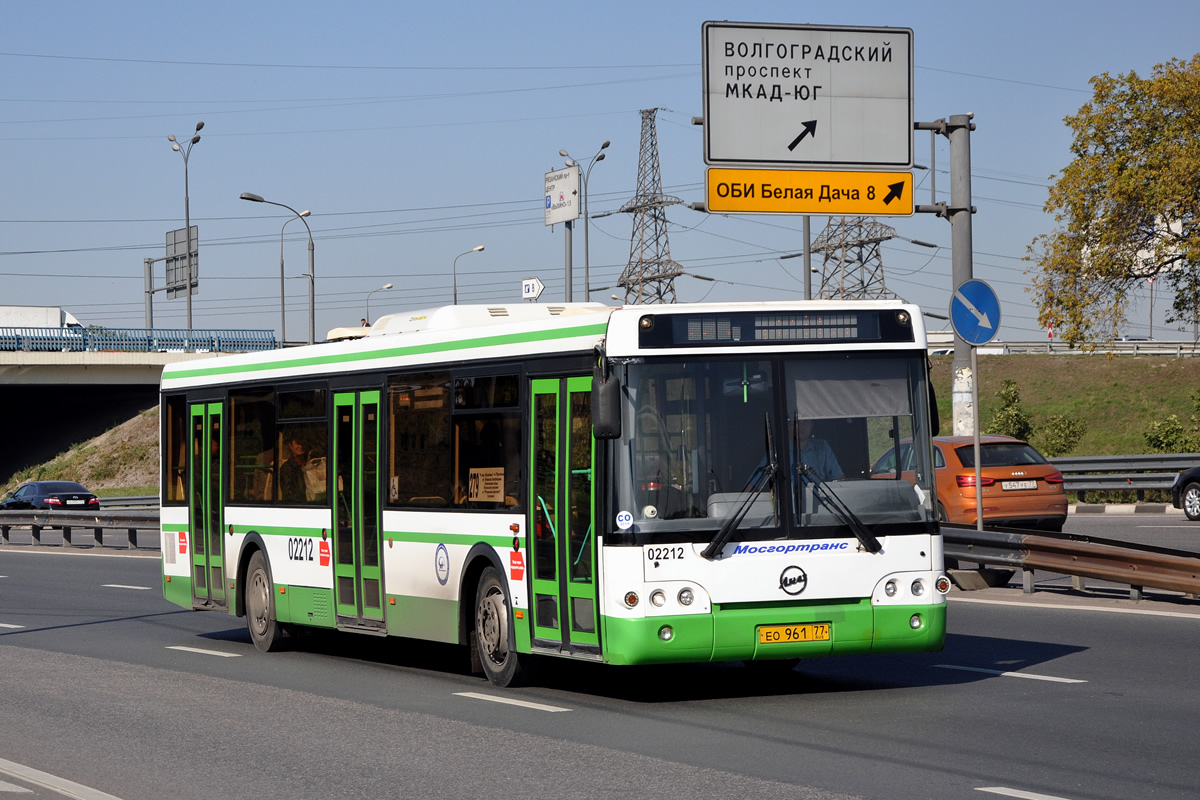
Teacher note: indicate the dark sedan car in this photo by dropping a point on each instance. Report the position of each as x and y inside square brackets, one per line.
[1185, 493]
[57, 495]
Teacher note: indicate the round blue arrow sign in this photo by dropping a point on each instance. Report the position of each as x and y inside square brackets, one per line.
[975, 312]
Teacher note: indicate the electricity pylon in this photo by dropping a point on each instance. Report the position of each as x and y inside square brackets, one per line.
[650, 275]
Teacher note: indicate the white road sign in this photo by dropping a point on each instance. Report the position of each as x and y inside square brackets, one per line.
[562, 195]
[807, 96]
[531, 289]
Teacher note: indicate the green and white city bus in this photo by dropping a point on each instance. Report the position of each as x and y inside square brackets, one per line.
[652, 484]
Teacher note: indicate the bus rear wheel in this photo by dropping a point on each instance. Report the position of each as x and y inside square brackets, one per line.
[265, 630]
[494, 632]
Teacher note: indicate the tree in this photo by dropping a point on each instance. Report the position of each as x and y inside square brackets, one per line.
[1170, 435]
[1057, 436]
[1010, 419]
[1127, 208]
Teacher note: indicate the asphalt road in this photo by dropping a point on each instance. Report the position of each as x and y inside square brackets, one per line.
[1057, 694]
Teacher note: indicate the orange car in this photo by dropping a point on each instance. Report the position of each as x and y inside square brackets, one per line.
[1021, 489]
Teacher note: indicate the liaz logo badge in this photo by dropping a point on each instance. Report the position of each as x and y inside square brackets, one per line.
[793, 580]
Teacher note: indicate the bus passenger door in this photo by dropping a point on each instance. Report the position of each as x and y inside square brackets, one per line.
[563, 540]
[358, 577]
[205, 497]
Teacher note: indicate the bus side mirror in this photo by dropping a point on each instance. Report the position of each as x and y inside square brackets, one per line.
[606, 402]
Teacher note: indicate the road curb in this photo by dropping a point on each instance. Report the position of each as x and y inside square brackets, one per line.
[1124, 508]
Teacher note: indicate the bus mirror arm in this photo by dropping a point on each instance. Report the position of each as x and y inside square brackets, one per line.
[606, 399]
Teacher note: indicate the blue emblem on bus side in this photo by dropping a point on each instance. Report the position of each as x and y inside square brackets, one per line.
[441, 563]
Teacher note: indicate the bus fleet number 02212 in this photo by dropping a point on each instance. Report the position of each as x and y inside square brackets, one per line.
[300, 549]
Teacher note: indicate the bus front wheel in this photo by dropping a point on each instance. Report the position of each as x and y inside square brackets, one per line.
[494, 631]
[265, 630]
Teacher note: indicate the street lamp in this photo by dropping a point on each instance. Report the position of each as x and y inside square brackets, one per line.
[454, 269]
[312, 276]
[373, 291]
[282, 312]
[587, 296]
[187, 215]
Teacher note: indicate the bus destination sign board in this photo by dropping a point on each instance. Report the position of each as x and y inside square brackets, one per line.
[781, 191]
[807, 96]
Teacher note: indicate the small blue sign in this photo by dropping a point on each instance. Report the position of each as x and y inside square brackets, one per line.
[975, 312]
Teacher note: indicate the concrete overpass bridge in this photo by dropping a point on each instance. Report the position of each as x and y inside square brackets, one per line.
[62, 386]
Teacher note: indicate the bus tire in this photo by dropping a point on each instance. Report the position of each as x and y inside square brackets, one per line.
[494, 632]
[265, 630]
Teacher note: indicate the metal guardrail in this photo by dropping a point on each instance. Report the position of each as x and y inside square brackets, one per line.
[136, 340]
[1134, 565]
[1082, 474]
[130, 501]
[72, 523]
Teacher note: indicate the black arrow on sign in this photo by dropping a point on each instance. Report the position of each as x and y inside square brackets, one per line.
[897, 189]
[810, 128]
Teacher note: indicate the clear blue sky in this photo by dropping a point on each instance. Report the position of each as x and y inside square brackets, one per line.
[416, 131]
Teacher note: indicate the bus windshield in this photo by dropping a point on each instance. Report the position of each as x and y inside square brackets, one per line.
[698, 437]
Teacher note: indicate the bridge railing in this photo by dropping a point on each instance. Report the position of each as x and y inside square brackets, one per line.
[136, 340]
[1148, 347]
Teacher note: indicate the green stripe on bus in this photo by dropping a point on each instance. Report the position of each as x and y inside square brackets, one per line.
[393, 352]
[415, 537]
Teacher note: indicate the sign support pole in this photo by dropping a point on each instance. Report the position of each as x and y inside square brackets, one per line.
[807, 257]
[962, 269]
[567, 294]
[975, 431]
[958, 130]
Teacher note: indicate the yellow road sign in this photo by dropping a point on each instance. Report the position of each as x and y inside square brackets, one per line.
[784, 191]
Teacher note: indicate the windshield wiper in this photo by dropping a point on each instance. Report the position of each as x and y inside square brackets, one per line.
[762, 478]
[835, 504]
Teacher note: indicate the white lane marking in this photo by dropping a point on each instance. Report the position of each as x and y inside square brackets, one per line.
[1189, 527]
[54, 783]
[124, 586]
[1005, 674]
[1004, 790]
[14, 627]
[1063, 607]
[204, 652]
[510, 701]
[12, 788]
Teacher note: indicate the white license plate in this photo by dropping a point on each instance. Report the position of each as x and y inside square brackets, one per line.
[74, 502]
[1010, 485]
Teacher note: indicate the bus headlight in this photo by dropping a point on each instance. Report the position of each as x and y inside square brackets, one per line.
[666, 633]
[686, 596]
[658, 598]
[914, 621]
[889, 588]
[918, 587]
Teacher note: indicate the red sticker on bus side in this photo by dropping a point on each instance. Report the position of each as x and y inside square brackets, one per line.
[182, 543]
[324, 552]
[516, 566]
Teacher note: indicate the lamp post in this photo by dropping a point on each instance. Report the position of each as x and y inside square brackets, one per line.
[454, 269]
[282, 311]
[312, 315]
[187, 215]
[373, 291]
[587, 289]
